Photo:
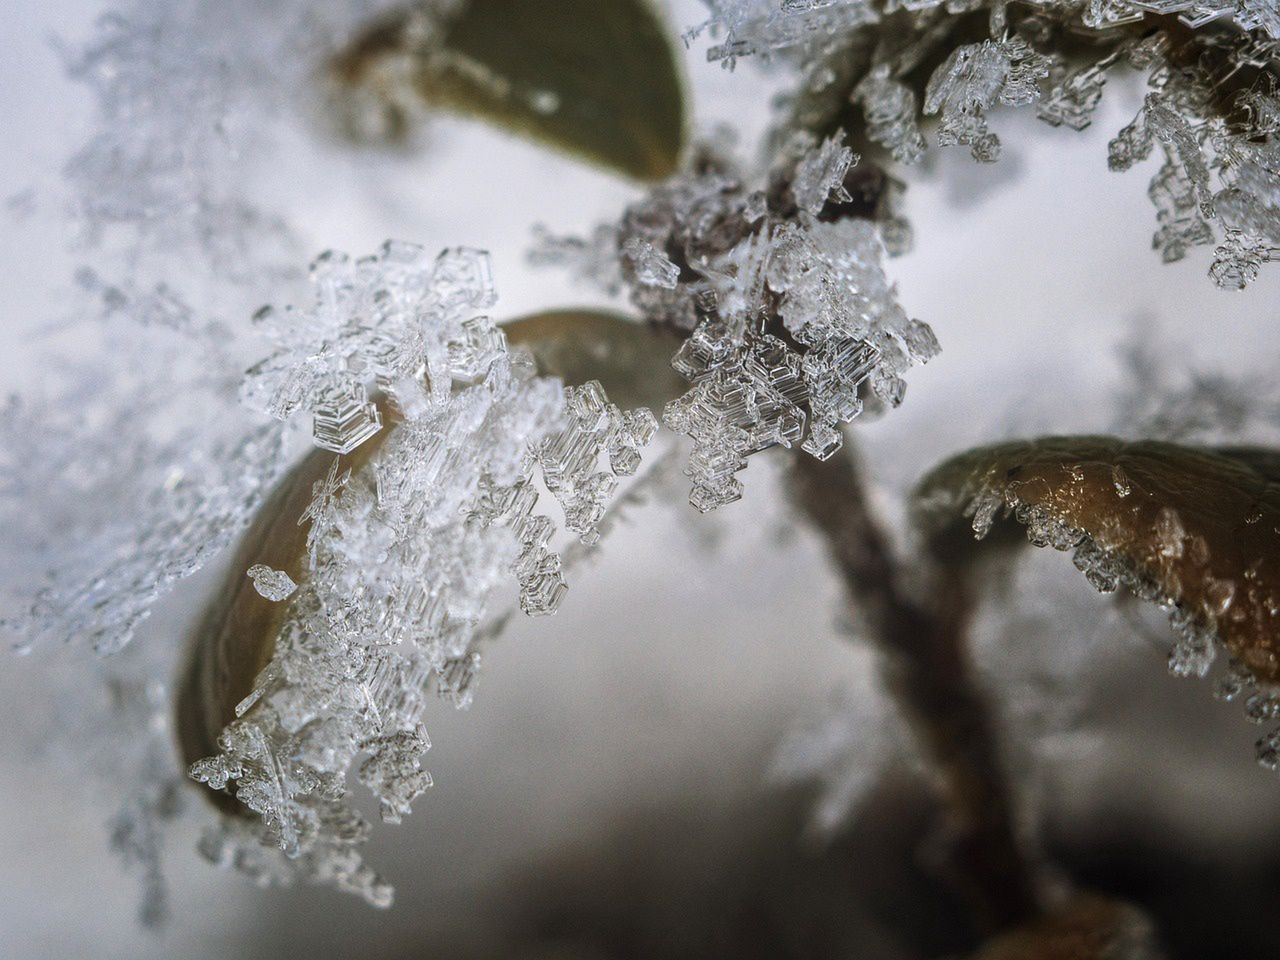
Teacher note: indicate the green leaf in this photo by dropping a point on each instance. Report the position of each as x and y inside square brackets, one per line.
[631, 360]
[595, 78]
[1199, 527]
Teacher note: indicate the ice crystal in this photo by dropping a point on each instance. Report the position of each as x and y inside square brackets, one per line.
[405, 555]
[184, 91]
[892, 114]
[139, 460]
[764, 27]
[271, 584]
[1237, 260]
[651, 267]
[104, 591]
[1164, 399]
[363, 333]
[785, 305]
[974, 78]
[820, 175]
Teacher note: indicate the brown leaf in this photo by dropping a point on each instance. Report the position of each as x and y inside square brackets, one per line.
[1196, 527]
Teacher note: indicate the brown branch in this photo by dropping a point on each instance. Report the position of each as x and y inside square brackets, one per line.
[928, 672]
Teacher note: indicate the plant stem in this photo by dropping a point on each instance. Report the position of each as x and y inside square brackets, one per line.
[928, 672]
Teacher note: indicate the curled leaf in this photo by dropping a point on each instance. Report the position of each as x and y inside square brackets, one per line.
[1196, 530]
[597, 80]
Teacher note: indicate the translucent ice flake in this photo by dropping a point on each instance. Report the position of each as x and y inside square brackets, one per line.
[271, 584]
[101, 593]
[974, 78]
[404, 554]
[392, 772]
[746, 28]
[891, 109]
[820, 175]
[344, 417]
[1238, 259]
[652, 268]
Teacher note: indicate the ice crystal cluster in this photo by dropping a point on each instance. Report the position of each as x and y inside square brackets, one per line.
[124, 474]
[189, 94]
[404, 556]
[1164, 399]
[781, 294]
[115, 484]
[1211, 111]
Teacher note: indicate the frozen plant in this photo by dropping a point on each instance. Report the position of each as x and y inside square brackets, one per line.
[400, 558]
[392, 464]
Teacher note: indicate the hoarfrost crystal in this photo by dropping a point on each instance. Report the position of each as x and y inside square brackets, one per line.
[787, 310]
[271, 584]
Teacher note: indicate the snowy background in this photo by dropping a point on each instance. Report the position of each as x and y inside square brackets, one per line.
[686, 651]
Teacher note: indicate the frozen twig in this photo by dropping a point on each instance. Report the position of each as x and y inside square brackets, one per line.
[929, 674]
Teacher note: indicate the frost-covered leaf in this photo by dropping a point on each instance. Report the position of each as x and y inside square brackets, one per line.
[1195, 530]
[598, 80]
[236, 638]
[372, 576]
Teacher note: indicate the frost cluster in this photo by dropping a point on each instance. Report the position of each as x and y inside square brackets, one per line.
[1164, 398]
[1212, 110]
[189, 94]
[782, 297]
[406, 554]
[124, 474]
